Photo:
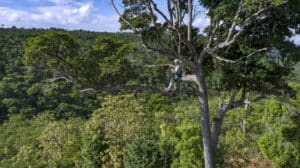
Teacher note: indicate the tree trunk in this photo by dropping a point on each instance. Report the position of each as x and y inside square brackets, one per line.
[190, 9]
[204, 122]
[244, 123]
[217, 130]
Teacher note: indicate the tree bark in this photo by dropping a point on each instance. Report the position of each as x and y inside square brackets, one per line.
[205, 122]
[217, 130]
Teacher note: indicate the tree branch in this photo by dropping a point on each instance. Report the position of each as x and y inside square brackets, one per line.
[207, 46]
[232, 28]
[151, 13]
[171, 13]
[239, 103]
[223, 110]
[177, 13]
[172, 54]
[164, 51]
[216, 56]
[161, 13]
[218, 121]
[146, 89]
[122, 18]
[169, 65]
[190, 22]
[190, 78]
[212, 34]
[189, 45]
[230, 40]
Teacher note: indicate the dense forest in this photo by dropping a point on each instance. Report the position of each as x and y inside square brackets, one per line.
[58, 108]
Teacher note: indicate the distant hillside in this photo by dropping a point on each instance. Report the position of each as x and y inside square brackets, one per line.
[79, 34]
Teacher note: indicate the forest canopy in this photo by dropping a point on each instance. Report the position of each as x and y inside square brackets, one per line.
[88, 99]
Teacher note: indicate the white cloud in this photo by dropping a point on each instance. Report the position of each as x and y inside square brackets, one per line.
[11, 15]
[296, 39]
[201, 22]
[64, 14]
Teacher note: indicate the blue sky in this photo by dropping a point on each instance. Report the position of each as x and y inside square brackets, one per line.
[94, 15]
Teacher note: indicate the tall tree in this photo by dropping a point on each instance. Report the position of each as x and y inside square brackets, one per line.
[54, 50]
[239, 30]
[117, 123]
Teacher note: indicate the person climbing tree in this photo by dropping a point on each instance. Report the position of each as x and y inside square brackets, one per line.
[176, 71]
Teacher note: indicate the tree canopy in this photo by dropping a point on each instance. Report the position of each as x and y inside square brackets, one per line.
[100, 100]
[246, 41]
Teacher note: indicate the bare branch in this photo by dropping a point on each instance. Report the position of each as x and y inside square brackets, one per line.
[209, 41]
[58, 79]
[261, 11]
[160, 65]
[190, 9]
[230, 40]
[162, 51]
[214, 55]
[232, 28]
[87, 90]
[182, 39]
[171, 25]
[212, 34]
[122, 18]
[161, 13]
[177, 12]
[171, 12]
[151, 13]
[179, 42]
